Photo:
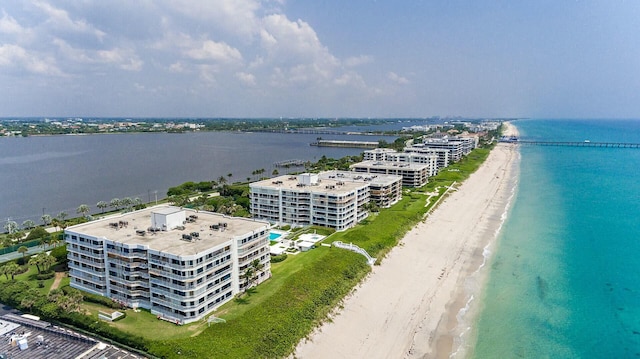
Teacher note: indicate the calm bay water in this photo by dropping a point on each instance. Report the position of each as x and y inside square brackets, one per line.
[51, 174]
[564, 280]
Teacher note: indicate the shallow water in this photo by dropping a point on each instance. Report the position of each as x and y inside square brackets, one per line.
[563, 282]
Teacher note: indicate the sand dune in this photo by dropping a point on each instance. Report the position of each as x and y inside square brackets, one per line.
[407, 307]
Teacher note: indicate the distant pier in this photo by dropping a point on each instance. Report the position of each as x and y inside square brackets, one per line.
[345, 144]
[586, 143]
[582, 144]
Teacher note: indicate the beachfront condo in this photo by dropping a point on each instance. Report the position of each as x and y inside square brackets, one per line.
[332, 199]
[181, 264]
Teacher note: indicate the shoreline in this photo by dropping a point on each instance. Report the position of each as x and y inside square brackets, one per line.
[455, 335]
[409, 306]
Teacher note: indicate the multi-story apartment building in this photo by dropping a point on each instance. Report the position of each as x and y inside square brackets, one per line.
[307, 199]
[384, 190]
[457, 146]
[442, 155]
[428, 157]
[413, 174]
[377, 154]
[179, 263]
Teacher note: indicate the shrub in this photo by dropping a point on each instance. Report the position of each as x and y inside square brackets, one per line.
[22, 269]
[45, 275]
[279, 258]
[36, 233]
[98, 299]
[60, 253]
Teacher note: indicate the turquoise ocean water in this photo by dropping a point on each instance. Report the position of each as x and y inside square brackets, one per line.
[564, 281]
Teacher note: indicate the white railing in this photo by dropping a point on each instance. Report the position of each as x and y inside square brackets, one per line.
[352, 247]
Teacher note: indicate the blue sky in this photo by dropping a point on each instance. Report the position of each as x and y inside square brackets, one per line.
[251, 58]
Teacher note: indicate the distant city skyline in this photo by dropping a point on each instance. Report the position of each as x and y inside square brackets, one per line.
[278, 58]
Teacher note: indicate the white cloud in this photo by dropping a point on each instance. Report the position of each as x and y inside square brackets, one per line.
[246, 78]
[125, 59]
[236, 17]
[16, 56]
[60, 19]
[9, 25]
[177, 67]
[350, 79]
[397, 78]
[357, 60]
[217, 51]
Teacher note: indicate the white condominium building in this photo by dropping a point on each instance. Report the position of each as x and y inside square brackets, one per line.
[178, 263]
[430, 158]
[384, 190]
[413, 174]
[377, 154]
[457, 146]
[441, 154]
[307, 199]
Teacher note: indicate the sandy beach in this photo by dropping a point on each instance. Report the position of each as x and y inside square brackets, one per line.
[409, 306]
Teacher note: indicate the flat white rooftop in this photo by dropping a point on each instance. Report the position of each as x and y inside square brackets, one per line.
[325, 185]
[391, 165]
[374, 179]
[170, 241]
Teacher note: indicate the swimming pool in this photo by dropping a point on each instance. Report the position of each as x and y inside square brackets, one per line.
[273, 236]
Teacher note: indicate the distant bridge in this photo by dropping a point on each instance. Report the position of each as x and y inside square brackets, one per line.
[580, 144]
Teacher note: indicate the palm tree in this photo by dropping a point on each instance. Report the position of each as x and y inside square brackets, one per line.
[222, 180]
[229, 175]
[252, 272]
[127, 202]
[36, 261]
[55, 222]
[30, 298]
[83, 209]
[3, 270]
[23, 250]
[102, 205]
[11, 226]
[275, 172]
[62, 216]
[28, 224]
[115, 203]
[46, 261]
[54, 242]
[46, 219]
[137, 201]
[10, 269]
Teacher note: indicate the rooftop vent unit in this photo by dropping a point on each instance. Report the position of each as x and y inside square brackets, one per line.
[186, 237]
[195, 234]
[140, 232]
[214, 227]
